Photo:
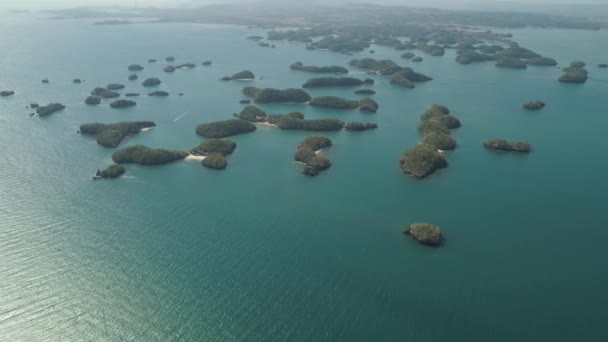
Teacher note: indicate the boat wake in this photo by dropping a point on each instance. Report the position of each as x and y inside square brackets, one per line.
[180, 116]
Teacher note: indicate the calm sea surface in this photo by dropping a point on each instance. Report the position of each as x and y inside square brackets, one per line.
[260, 252]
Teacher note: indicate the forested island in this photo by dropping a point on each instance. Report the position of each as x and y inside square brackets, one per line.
[270, 95]
[143, 155]
[575, 73]
[307, 152]
[225, 128]
[110, 135]
[329, 69]
[505, 145]
[49, 109]
[214, 151]
[112, 171]
[401, 76]
[332, 82]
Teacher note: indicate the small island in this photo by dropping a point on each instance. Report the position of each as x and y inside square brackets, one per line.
[151, 82]
[49, 109]
[425, 233]
[575, 73]
[215, 161]
[159, 93]
[603, 65]
[133, 77]
[359, 126]
[122, 103]
[225, 128]
[112, 171]
[206, 63]
[6, 93]
[223, 147]
[115, 86]
[169, 68]
[368, 105]
[365, 92]
[296, 121]
[110, 135]
[439, 140]
[333, 102]
[422, 160]
[332, 82]
[186, 66]
[104, 93]
[270, 95]
[93, 100]
[143, 155]
[244, 75]
[511, 63]
[307, 153]
[542, 61]
[135, 67]
[253, 114]
[170, 59]
[534, 105]
[504, 145]
[316, 69]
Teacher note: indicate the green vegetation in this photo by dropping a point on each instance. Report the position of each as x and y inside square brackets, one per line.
[110, 135]
[223, 147]
[159, 93]
[408, 55]
[365, 91]
[417, 59]
[543, 61]
[253, 114]
[225, 128]
[333, 102]
[316, 69]
[151, 82]
[440, 141]
[215, 161]
[112, 171]
[511, 63]
[516, 51]
[123, 104]
[135, 67]
[115, 86]
[270, 95]
[400, 80]
[422, 160]
[169, 68]
[504, 145]
[382, 67]
[93, 100]
[305, 153]
[469, 55]
[575, 73]
[433, 50]
[143, 155]
[243, 75]
[49, 109]
[318, 125]
[368, 105]
[105, 93]
[425, 233]
[275, 118]
[5, 93]
[332, 82]
[359, 126]
[534, 105]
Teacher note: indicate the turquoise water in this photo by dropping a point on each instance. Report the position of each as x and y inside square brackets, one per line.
[261, 252]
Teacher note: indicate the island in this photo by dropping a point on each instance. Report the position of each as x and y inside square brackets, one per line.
[104, 93]
[151, 82]
[368, 105]
[296, 121]
[422, 160]
[225, 128]
[270, 95]
[93, 100]
[400, 80]
[431, 49]
[417, 59]
[131, 94]
[77, 80]
[425, 233]
[253, 114]
[206, 63]
[316, 69]
[365, 91]
[332, 82]
[244, 75]
[122, 103]
[152, 60]
[110, 135]
[46, 81]
[186, 66]
[133, 77]
[439, 140]
[408, 55]
[112, 171]
[49, 109]
[159, 93]
[34, 105]
[215, 161]
[504, 145]
[169, 68]
[534, 105]
[511, 63]
[359, 126]
[6, 93]
[603, 65]
[115, 86]
[333, 102]
[542, 61]
[170, 59]
[223, 147]
[143, 155]
[135, 67]
[575, 73]
[307, 153]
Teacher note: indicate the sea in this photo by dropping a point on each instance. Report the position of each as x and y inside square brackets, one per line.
[261, 252]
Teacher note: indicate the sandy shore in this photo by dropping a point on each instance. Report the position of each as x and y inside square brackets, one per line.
[266, 124]
[146, 129]
[193, 157]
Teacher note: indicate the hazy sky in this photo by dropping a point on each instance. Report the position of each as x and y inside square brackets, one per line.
[28, 4]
